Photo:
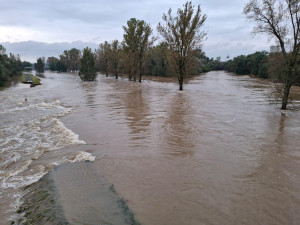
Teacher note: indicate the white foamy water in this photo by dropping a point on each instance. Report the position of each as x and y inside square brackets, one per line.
[83, 156]
[29, 135]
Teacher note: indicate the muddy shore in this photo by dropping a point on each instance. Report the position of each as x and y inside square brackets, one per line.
[47, 201]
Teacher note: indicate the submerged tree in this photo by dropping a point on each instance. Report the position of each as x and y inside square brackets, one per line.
[39, 66]
[103, 54]
[88, 70]
[136, 42]
[183, 35]
[280, 19]
[71, 59]
[115, 57]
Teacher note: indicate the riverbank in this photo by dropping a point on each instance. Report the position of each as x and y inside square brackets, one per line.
[41, 204]
[49, 201]
[30, 78]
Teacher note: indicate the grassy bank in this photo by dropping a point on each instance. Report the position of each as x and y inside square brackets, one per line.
[40, 204]
[35, 80]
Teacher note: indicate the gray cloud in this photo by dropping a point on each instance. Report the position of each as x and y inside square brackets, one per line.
[31, 50]
[99, 20]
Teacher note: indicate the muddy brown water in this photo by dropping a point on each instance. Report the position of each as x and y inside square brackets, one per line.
[216, 153]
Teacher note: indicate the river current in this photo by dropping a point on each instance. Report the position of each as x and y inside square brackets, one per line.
[219, 152]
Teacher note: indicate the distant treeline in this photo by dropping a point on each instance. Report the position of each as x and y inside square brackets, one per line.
[260, 64]
[256, 64]
[111, 58]
[10, 65]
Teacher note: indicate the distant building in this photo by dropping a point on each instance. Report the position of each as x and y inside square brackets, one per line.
[274, 49]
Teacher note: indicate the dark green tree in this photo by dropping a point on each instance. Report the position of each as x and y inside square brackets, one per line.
[183, 35]
[52, 62]
[3, 66]
[71, 59]
[88, 69]
[157, 60]
[39, 66]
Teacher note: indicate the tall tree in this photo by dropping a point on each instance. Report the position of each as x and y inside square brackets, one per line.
[157, 60]
[3, 65]
[103, 54]
[183, 35]
[280, 19]
[136, 42]
[39, 66]
[88, 69]
[52, 62]
[71, 59]
[115, 57]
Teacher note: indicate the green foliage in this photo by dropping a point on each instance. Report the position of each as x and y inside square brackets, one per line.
[103, 55]
[115, 57]
[136, 43]
[70, 59]
[88, 69]
[52, 62]
[254, 64]
[9, 65]
[183, 35]
[39, 66]
[157, 61]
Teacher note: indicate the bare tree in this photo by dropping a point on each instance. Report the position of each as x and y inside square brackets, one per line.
[280, 19]
[183, 35]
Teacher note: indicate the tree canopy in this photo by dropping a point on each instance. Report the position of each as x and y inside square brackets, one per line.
[88, 69]
[39, 66]
[136, 42]
[183, 35]
[10, 65]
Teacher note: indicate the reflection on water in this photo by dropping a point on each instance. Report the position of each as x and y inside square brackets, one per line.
[178, 132]
[216, 153]
[136, 113]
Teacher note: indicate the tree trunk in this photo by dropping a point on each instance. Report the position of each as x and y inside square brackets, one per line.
[140, 78]
[286, 93]
[180, 83]
[106, 67]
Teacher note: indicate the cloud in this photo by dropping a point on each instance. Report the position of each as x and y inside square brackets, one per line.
[31, 50]
[96, 21]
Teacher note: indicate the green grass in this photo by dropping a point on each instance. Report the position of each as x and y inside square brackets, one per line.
[35, 80]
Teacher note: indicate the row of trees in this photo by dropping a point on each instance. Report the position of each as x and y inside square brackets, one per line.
[178, 54]
[10, 65]
[68, 61]
[182, 38]
[256, 64]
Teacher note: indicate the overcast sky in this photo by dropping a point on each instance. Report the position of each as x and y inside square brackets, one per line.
[35, 28]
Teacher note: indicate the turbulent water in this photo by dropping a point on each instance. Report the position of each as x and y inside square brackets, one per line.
[216, 153]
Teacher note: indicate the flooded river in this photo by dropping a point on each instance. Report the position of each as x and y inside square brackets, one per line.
[216, 153]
